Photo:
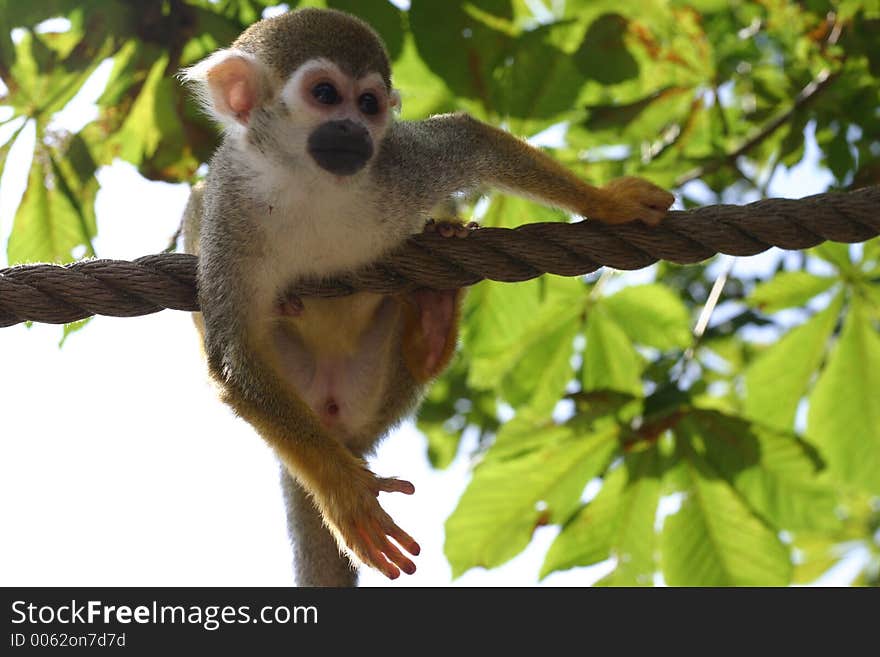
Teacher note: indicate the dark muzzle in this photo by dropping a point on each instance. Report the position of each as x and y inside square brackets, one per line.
[341, 147]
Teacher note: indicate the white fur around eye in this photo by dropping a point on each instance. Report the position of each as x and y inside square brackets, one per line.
[290, 92]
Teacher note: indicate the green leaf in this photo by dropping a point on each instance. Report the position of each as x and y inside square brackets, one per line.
[384, 17]
[871, 254]
[539, 379]
[777, 379]
[48, 69]
[508, 499]
[463, 43]
[589, 537]
[603, 55]
[498, 344]
[619, 522]
[610, 360]
[651, 315]
[152, 119]
[817, 555]
[512, 211]
[844, 415]
[449, 407]
[835, 253]
[489, 334]
[71, 328]
[539, 80]
[837, 154]
[788, 289]
[774, 470]
[7, 146]
[714, 539]
[47, 224]
[871, 294]
[422, 93]
[618, 116]
[442, 444]
[128, 64]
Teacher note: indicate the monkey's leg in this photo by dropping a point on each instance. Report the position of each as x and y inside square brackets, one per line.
[247, 360]
[317, 560]
[340, 484]
[342, 487]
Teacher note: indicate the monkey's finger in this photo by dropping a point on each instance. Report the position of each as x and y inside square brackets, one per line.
[374, 556]
[654, 212]
[392, 485]
[653, 218]
[658, 199]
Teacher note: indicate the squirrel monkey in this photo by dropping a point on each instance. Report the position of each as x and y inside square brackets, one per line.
[314, 177]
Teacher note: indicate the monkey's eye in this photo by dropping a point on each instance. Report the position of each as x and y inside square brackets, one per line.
[368, 104]
[325, 93]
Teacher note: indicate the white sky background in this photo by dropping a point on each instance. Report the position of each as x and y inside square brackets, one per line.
[119, 466]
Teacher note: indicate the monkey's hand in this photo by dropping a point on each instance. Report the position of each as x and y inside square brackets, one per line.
[365, 527]
[629, 199]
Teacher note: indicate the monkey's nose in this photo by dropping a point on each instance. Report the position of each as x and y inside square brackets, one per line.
[347, 127]
[341, 147]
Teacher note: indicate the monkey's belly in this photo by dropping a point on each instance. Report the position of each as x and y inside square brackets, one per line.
[335, 353]
[326, 395]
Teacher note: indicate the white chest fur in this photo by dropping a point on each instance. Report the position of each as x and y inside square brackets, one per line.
[313, 224]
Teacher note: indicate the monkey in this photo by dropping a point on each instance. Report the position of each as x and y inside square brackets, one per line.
[316, 176]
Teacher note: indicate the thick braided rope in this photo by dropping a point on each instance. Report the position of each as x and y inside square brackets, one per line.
[58, 294]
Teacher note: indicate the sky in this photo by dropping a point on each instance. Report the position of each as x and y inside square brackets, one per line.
[120, 467]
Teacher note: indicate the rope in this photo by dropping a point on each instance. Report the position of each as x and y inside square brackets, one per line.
[57, 294]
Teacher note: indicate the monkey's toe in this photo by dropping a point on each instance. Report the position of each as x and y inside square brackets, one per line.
[446, 228]
[370, 554]
[392, 485]
[373, 546]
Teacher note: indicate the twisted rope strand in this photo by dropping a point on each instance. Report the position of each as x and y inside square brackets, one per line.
[57, 294]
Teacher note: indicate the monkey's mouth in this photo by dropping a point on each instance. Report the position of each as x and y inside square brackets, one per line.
[341, 147]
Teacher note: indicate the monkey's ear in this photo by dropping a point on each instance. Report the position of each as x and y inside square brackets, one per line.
[230, 83]
[394, 100]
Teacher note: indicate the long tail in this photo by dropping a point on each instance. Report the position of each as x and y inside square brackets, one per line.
[317, 560]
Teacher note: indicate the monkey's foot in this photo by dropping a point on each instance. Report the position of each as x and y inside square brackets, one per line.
[290, 306]
[447, 228]
[367, 529]
[633, 198]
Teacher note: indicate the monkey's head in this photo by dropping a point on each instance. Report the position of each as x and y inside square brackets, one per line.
[310, 86]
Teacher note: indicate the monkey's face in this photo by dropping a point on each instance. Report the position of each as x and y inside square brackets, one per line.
[344, 117]
[320, 116]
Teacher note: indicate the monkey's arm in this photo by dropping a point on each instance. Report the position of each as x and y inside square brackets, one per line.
[454, 152]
